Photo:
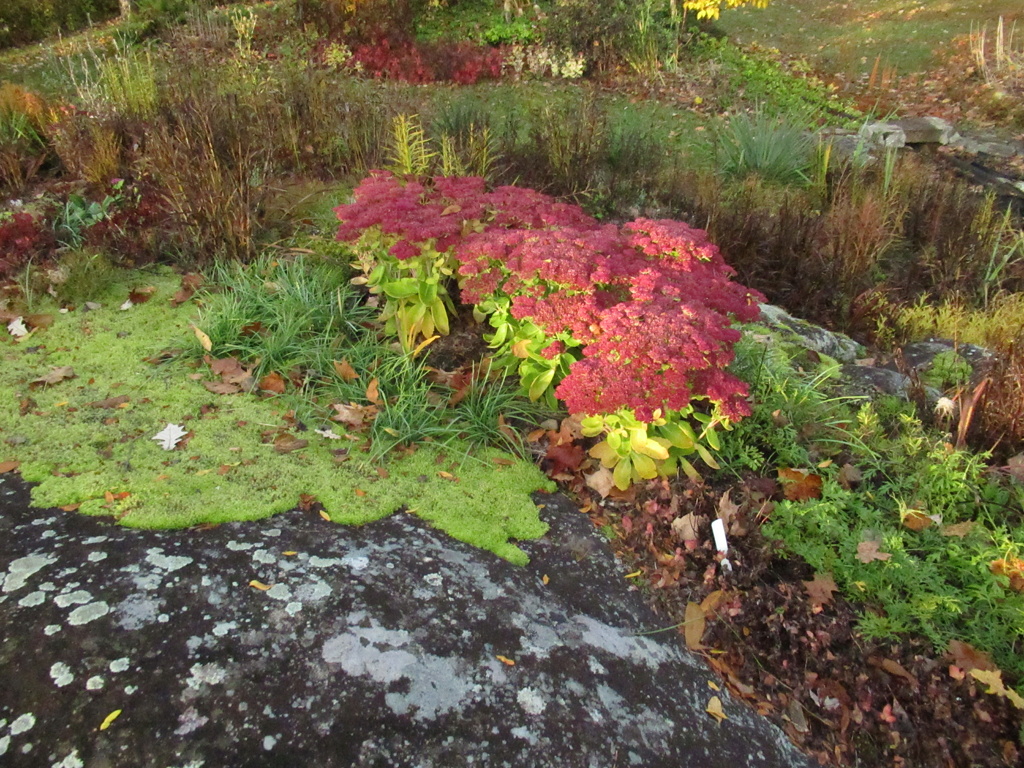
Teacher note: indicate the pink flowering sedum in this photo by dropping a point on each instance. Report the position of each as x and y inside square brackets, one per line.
[651, 301]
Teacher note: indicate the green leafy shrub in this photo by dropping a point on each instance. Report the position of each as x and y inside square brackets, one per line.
[910, 528]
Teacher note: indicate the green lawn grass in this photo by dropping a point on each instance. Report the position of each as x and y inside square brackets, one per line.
[847, 37]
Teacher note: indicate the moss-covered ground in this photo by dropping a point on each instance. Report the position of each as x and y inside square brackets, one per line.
[87, 440]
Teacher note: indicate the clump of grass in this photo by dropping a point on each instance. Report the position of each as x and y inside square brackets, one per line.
[303, 320]
[769, 147]
[23, 146]
[996, 327]
[84, 274]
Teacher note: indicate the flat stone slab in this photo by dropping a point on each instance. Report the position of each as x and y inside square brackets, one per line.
[296, 642]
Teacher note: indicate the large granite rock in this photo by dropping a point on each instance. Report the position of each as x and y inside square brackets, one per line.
[788, 329]
[295, 642]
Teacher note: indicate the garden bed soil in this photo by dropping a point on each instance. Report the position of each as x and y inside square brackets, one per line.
[793, 656]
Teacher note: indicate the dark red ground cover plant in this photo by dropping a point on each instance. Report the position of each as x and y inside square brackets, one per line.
[21, 237]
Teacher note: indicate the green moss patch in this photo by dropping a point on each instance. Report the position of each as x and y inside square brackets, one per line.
[87, 440]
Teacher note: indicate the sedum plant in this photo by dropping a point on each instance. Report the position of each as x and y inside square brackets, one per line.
[629, 326]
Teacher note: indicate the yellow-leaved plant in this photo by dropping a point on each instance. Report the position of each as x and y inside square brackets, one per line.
[712, 9]
[636, 450]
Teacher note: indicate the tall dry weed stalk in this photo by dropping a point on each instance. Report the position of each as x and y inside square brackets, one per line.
[209, 175]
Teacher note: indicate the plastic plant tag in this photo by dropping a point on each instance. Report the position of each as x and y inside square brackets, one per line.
[721, 543]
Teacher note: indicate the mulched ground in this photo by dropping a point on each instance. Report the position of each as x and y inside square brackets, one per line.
[793, 656]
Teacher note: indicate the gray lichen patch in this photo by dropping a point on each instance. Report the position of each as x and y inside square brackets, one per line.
[22, 724]
[72, 598]
[169, 563]
[87, 613]
[61, 674]
[21, 570]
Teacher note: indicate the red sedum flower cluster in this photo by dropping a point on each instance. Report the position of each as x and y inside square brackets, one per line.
[651, 301]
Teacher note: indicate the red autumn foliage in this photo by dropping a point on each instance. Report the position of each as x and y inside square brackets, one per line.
[651, 301]
[21, 237]
[415, 62]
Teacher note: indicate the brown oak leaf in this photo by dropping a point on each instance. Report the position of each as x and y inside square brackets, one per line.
[344, 369]
[272, 382]
[55, 376]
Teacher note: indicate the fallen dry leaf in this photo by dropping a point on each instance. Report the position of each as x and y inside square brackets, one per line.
[17, 328]
[222, 387]
[685, 528]
[958, 529]
[55, 376]
[8, 466]
[821, 588]
[867, 551]
[849, 476]
[601, 481]
[714, 708]
[714, 599]
[795, 712]
[352, 415]
[727, 509]
[564, 458]
[225, 366]
[272, 382]
[967, 657]
[993, 678]
[345, 370]
[1012, 568]
[204, 340]
[286, 443]
[694, 623]
[110, 402]
[373, 392]
[109, 719]
[189, 284]
[800, 485]
[38, 321]
[142, 295]
[916, 520]
[896, 669]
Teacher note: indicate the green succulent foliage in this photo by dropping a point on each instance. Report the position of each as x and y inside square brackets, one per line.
[519, 345]
[414, 291]
[636, 450]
